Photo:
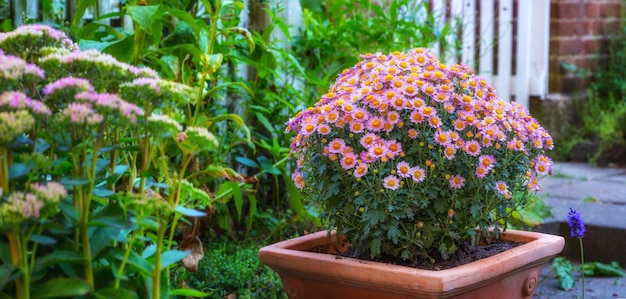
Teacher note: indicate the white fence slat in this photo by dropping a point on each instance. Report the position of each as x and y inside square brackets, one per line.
[540, 48]
[522, 81]
[505, 49]
[456, 22]
[469, 33]
[486, 42]
[439, 13]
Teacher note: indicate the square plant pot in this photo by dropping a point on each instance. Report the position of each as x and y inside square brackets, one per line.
[309, 267]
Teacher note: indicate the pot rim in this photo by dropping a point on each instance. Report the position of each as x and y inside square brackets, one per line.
[289, 256]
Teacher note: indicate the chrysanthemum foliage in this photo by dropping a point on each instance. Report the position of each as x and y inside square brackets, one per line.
[408, 156]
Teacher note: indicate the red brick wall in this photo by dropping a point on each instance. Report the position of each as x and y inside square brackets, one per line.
[580, 31]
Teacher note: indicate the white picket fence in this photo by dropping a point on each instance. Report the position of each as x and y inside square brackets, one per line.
[494, 42]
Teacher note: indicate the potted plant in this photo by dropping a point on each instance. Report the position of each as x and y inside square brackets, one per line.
[415, 162]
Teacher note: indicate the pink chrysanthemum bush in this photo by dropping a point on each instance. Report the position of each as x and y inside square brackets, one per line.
[410, 158]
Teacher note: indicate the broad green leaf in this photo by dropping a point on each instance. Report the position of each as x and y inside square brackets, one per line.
[145, 16]
[17, 170]
[247, 162]
[189, 293]
[134, 259]
[236, 192]
[172, 256]
[602, 269]
[120, 293]
[58, 257]
[223, 85]
[251, 211]
[266, 123]
[203, 43]
[246, 35]
[61, 288]
[5, 273]
[43, 240]
[563, 270]
[81, 6]
[189, 212]
[212, 62]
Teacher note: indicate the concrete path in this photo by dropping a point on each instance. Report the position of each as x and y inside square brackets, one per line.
[599, 194]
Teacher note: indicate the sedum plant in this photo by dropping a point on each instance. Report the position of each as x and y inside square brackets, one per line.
[410, 158]
[98, 168]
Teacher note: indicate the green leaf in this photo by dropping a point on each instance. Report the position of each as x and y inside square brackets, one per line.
[247, 162]
[134, 259]
[61, 288]
[189, 212]
[5, 273]
[246, 34]
[145, 16]
[17, 170]
[172, 256]
[602, 269]
[43, 240]
[236, 193]
[203, 43]
[81, 6]
[189, 293]
[58, 257]
[251, 211]
[121, 293]
[563, 270]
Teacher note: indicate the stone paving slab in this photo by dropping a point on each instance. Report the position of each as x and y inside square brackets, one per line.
[596, 287]
[584, 171]
[590, 191]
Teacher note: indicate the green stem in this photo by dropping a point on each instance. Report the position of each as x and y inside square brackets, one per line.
[582, 262]
[156, 279]
[4, 170]
[15, 247]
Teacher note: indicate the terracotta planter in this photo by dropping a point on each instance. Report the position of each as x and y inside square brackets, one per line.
[308, 268]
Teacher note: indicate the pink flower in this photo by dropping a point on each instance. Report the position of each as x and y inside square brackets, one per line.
[378, 149]
[502, 187]
[394, 147]
[336, 146]
[391, 182]
[449, 152]
[356, 127]
[488, 161]
[481, 171]
[361, 170]
[404, 169]
[457, 182]
[298, 180]
[368, 139]
[79, 84]
[348, 161]
[472, 148]
[418, 174]
[412, 133]
[542, 168]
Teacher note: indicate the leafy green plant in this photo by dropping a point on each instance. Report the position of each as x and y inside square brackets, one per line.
[234, 269]
[96, 181]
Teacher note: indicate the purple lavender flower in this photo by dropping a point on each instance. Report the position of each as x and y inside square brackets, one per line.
[576, 225]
